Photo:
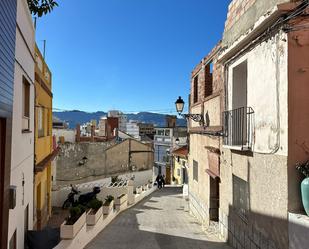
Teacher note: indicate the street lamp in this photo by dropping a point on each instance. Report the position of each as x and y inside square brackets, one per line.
[195, 117]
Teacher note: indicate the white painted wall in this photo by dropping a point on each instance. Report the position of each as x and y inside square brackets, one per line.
[22, 143]
[69, 135]
[267, 93]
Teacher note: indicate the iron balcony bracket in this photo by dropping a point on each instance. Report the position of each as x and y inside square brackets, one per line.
[195, 117]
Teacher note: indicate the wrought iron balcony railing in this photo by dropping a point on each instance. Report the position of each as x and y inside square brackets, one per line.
[238, 128]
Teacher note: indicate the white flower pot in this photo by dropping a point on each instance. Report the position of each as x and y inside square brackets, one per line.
[70, 231]
[121, 200]
[108, 209]
[139, 190]
[92, 219]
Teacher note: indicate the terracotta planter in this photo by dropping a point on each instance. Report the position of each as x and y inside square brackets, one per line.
[70, 231]
[139, 190]
[108, 209]
[92, 219]
[121, 200]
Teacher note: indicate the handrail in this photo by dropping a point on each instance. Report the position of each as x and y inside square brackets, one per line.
[238, 127]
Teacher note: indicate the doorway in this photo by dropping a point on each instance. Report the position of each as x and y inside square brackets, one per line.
[38, 206]
[214, 199]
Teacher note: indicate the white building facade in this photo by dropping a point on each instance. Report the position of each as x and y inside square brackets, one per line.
[132, 129]
[22, 161]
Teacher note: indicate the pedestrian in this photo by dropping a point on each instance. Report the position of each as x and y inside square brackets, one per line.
[159, 181]
[163, 181]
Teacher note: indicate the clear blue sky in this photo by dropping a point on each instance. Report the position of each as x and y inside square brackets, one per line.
[132, 55]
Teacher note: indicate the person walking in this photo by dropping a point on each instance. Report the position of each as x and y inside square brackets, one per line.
[163, 181]
[159, 181]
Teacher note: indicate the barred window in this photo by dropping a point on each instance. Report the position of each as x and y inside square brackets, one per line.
[241, 197]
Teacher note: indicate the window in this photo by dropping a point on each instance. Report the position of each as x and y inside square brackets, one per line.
[160, 132]
[195, 89]
[195, 170]
[26, 105]
[240, 197]
[40, 122]
[239, 98]
[238, 121]
[167, 133]
[208, 79]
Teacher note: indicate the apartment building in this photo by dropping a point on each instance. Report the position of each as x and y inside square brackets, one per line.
[21, 179]
[206, 100]
[45, 150]
[7, 61]
[165, 141]
[265, 123]
[122, 119]
[132, 129]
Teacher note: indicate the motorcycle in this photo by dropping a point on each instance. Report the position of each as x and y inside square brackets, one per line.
[83, 199]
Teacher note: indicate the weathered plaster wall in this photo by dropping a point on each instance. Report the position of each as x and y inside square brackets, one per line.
[199, 190]
[267, 177]
[243, 14]
[103, 159]
[22, 143]
[266, 93]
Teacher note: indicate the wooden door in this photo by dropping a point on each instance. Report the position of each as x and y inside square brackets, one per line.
[168, 175]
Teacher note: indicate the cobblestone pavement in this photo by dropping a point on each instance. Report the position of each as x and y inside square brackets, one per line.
[158, 222]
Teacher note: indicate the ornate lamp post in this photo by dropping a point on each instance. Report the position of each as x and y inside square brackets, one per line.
[195, 117]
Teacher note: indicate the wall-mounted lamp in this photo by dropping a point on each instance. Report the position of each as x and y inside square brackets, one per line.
[195, 117]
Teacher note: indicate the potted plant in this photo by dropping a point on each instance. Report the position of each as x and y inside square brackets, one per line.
[304, 169]
[108, 204]
[139, 190]
[74, 223]
[149, 184]
[121, 201]
[145, 187]
[94, 212]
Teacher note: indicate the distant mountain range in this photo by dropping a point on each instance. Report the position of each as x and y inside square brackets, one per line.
[79, 117]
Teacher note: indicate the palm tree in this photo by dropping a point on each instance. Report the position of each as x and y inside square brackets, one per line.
[41, 7]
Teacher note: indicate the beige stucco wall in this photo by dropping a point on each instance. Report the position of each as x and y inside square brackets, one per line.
[265, 167]
[22, 143]
[199, 190]
[267, 180]
[266, 93]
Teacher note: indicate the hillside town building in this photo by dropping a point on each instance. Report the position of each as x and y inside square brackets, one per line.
[22, 178]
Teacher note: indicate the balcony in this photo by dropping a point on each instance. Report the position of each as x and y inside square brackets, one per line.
[238, 128]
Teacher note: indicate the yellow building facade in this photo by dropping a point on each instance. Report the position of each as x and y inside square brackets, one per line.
[180, 162]
[44, 151]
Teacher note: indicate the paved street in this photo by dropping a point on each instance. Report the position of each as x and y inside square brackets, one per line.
[158, 222]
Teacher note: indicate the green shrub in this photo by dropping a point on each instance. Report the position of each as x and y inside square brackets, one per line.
[108, 200]
[95, 204]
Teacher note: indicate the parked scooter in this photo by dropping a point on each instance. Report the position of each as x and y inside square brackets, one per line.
[83, 199]
[71, 199]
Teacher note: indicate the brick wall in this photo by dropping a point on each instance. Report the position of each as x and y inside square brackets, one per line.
[209, 83]
[236, 9]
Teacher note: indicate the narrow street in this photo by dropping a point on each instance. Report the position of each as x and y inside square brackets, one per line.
[158, 222]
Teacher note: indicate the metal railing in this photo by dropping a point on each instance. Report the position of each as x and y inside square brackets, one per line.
[238, 127]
